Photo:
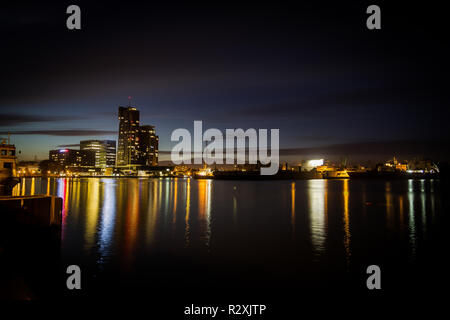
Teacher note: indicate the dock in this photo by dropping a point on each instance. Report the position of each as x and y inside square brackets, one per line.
[30, 244]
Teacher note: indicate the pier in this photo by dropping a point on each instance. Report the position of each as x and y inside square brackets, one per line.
[30, 242]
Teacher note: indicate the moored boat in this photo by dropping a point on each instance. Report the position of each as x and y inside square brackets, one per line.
[7, 168]
[336, 174]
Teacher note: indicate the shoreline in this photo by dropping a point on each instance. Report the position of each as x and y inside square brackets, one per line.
[243, 178]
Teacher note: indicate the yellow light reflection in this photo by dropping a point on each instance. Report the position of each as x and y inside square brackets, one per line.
[187, 232]
[204, 207]
[33, 186]
[389, 205]
[317, 193]
[346, 223]
[293, 207]
[174, 212]
[16, 189]
[92, 211]
[153, 211]
[23, 182]
[66, 199]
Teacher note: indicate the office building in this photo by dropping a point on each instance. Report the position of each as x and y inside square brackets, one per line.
[127, 149]
[104, 150]
[137, 145]
[72, 158]
[110, 152]
[148, 146]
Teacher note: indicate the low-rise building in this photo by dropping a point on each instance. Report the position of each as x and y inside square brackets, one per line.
[28, 168]
[104, 152]
[67, 158]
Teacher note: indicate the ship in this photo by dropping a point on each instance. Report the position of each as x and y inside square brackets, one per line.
[8, 158]
[394, 169]
[256, 175]
[375, 174]
[336, 174]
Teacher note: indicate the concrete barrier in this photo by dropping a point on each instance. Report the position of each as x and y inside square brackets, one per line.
[41, 210]
[30, 247]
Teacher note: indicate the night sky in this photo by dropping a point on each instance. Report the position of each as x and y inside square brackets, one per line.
[332, 87]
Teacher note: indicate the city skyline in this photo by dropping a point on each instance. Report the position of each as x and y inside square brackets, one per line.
[193, 158]
[137, 147]
[405, 148]
[333, 88]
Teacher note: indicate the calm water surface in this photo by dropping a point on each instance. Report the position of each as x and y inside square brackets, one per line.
[171, 232]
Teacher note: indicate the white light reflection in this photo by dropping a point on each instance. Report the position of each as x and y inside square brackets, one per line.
[412, 224]
[424, 206]
[107, 217]
[317, 189]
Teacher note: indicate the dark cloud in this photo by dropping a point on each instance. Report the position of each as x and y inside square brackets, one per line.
[65, 133]
[351, 102]
[12, 119]
[315, 138]
[73, 145]
[419, 148]
[426, 148]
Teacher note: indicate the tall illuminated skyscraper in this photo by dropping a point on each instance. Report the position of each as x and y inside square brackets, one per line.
[128, 144]
[137, 145]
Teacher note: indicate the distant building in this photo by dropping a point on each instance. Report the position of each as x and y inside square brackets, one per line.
[104, 150]
[72, 158]
[148, 146]
[127, 149]
[394, 165]
[28, 168]
[137, 145]
[423, 166]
